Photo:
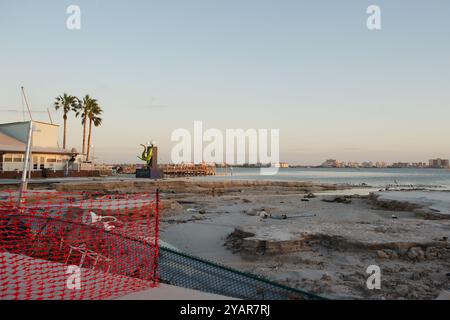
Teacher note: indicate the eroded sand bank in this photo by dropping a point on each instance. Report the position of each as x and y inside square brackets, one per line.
[323, 247]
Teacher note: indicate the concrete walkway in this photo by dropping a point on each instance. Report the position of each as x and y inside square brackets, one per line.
[168, 292]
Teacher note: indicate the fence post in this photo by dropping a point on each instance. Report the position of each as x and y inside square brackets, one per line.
[156, 244]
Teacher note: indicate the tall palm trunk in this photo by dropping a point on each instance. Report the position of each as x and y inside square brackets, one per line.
[67, 104]
[84, 135]
[65, 132]
[89, 140]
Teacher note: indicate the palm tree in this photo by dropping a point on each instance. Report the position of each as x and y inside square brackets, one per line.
[94, 118]
[67, 103]
[86, 104]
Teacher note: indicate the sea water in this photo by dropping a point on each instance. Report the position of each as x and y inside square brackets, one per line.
[408, 177]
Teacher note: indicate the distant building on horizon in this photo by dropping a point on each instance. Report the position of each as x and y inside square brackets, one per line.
[332, 163]
[353, 164]
[401, 165]
[439, 163]
[367, 164]
[419, 165]
[282, 165]
[381, 164]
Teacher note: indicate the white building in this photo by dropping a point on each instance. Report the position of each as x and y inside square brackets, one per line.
[332, 163]
[46, 152]
[281, 165]
[367, 164]
[439, 163]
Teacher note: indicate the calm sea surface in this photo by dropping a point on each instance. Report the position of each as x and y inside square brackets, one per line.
[431, 178]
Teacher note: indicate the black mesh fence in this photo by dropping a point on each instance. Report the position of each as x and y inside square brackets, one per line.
[180, 269]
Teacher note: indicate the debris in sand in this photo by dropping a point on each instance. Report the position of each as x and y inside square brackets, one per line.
[444, 295]
[278, 216]
[402, 290]
[263, 215]
[344, 199]
[416, 254]
[260, 211]
[198, 217]
[432, 253]
[387, 254]
[171, 207]
[283, 216]
[107, 222]
[382, 255]
[302, 216]
[309, 195]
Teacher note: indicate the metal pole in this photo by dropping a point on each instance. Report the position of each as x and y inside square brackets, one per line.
[26, 102]
[30, 159]
[156, 238]
[23, 184]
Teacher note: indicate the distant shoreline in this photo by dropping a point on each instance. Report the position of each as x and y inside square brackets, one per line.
[342, 177]
[338, 168]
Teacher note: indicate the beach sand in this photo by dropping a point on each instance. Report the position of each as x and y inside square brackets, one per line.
[322, 247]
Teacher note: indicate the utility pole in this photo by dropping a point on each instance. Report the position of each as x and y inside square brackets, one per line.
[29, 141]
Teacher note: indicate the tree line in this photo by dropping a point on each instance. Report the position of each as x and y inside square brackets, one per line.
[87, 108]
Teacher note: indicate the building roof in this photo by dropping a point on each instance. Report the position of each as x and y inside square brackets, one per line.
[10, 144]
[10, 141]
[35, 150]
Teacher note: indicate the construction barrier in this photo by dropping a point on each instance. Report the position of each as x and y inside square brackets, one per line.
[57, 245]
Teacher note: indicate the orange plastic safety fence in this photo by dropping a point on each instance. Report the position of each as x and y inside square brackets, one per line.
[57, 245]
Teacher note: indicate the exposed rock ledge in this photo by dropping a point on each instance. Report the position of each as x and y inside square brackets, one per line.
[431, 205]
[415, 242]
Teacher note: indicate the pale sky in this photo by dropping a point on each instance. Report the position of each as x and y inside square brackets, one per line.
[309, 68]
